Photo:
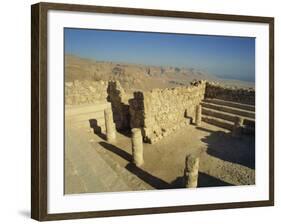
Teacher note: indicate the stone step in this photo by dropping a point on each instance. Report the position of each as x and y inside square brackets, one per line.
[230, 104]
[218, 122]
[227, 116]
[93, 171]
[232, 110]
[82, 109]
[228, 125]
[134, 182]
[99, 115]
[96, 129]
[87, 119]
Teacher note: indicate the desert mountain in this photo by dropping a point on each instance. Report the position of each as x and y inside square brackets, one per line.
[134, 76]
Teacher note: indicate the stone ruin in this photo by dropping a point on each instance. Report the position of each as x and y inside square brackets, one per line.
[235, 94]
[159, 112]
[99, 92]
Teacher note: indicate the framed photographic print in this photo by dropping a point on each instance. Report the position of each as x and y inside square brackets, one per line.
[140, 111]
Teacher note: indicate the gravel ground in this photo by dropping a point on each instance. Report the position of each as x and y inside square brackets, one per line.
[224, 160]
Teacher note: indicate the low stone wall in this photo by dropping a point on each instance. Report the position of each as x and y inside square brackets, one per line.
[241, 95]
[96, 92]
[85, 92]
[161, 111]
[157, 112]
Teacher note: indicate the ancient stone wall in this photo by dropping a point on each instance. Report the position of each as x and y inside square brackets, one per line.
[95, 92]
[120, 105]
[85, 92]
[162, 111]
[241, 95]
[157, 112]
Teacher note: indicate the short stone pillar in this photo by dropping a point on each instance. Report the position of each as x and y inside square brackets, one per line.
[191, 171]
[109, 125]
[237, 127]
[198, 115]
[137, 147]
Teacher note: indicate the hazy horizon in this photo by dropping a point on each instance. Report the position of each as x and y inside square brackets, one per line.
[221, 56]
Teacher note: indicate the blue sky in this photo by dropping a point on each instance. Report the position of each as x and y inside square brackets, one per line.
[225, 57]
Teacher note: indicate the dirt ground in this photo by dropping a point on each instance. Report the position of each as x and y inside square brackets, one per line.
[94, 165]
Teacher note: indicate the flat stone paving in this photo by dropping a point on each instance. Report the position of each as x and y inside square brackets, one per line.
[94, 165]
[85, 170]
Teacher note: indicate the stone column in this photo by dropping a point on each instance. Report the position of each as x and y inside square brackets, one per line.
[109, 125]
[137, 147]
[236, 130]
[191, 171]
[198, 115]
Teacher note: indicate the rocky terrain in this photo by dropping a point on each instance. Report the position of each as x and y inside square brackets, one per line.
[134, 77]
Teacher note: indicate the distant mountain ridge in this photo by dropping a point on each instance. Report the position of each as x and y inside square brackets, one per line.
[132, 76]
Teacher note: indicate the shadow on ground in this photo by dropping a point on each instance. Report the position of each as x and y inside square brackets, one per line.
[240, 150]
[116, 150]
[153, 181]
[205, 129]
[204, 180]
[96, 128]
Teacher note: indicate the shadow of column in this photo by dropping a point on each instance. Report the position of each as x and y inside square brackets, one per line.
[116, 150]
[153, 181]
[96, 128]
